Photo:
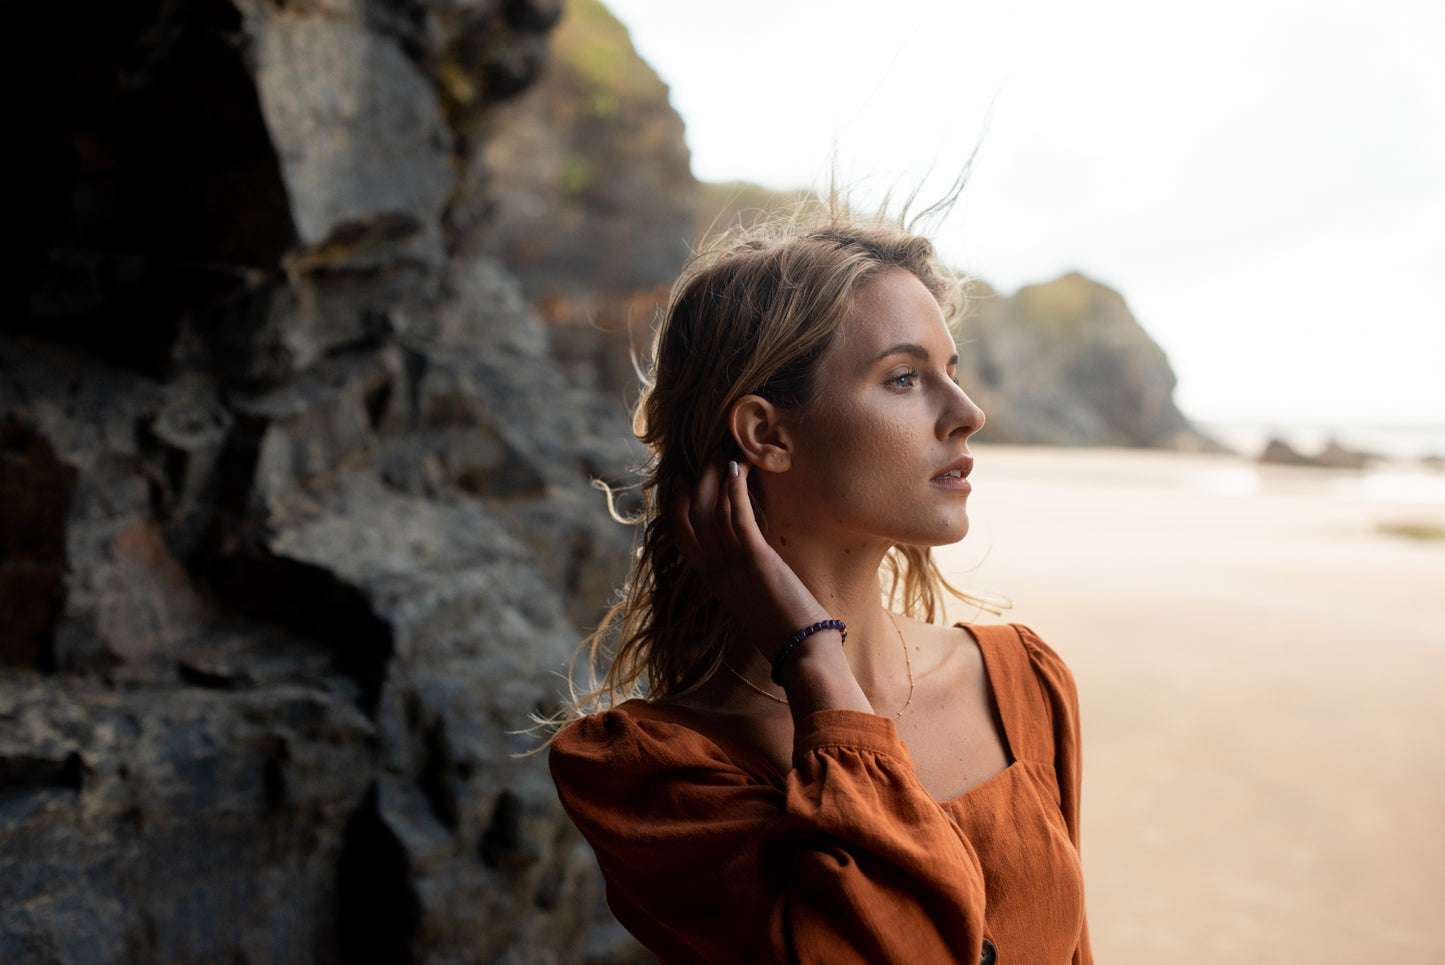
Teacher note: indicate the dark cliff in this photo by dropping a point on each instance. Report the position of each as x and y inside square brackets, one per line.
[295, 517]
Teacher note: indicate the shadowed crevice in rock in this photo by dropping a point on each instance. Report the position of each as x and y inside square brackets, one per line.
[158, 194]
[35, 494]
[315, 603]
[378, 909]
[26, 772]
[504, 844]
[433, 776]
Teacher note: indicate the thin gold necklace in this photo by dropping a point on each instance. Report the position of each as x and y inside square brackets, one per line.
[907, 662]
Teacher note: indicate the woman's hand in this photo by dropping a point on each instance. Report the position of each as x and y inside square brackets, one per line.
[719, 537]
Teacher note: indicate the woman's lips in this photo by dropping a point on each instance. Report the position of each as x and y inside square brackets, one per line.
[955, 475]
[958, 483]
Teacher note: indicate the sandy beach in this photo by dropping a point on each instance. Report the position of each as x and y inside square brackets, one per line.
[1262, 678]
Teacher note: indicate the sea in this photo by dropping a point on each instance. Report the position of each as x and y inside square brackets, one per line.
[1395, 443]
[1409, 464]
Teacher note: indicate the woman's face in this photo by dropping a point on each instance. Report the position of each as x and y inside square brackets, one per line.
[881, 453]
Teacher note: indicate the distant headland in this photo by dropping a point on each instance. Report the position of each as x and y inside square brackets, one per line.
[594, 206]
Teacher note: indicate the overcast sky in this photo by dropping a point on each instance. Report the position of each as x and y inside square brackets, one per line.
[1263, 181]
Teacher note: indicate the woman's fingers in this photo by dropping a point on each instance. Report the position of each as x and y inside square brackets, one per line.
[705, 521]
[726, 498]
[744, 524]
[700, 524]
[682, 532]
[719, 537]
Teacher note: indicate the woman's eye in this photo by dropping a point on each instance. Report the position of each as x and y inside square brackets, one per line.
[904, 380]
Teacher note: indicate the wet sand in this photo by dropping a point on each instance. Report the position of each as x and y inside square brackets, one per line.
[1262, 678]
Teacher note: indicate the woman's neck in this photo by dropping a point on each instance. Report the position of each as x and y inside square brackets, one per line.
[844, 579]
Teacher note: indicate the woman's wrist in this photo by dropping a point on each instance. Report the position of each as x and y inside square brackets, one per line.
[816, 676]
[786, 651]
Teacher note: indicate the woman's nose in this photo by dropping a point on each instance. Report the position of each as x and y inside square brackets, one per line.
[962, 416]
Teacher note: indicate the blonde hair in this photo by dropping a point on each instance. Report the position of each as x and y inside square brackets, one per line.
[751, 314]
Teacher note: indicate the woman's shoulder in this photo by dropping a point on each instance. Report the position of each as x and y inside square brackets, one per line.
[634, 737]
[633, 728]
[1045, 659]
[1020, 645]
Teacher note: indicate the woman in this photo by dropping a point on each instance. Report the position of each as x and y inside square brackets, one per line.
[800, 774]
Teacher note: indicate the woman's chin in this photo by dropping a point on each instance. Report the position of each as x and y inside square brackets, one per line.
[947, 534]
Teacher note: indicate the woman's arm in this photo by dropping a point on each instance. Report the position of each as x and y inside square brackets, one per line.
[719, 537]
[851, 862]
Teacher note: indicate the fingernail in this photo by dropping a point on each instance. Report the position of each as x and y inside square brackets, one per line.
[733, 468]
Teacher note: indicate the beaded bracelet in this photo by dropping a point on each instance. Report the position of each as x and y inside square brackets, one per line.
[802, 635]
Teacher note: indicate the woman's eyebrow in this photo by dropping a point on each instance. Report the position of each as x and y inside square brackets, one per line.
[910, 348]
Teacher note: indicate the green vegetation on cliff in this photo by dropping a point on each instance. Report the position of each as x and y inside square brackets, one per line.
[590, 189]
[1059, 306]
[596, 48]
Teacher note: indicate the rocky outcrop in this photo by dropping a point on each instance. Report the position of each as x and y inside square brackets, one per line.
[591, 199]
[1277, 452]
[295, 517]
[590, 189]
[1065, 363]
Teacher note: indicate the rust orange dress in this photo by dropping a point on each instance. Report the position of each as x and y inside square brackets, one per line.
[711, 855]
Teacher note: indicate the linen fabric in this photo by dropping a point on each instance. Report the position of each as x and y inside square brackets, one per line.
[711, 855]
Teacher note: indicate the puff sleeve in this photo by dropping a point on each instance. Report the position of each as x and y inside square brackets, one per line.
[850, 862]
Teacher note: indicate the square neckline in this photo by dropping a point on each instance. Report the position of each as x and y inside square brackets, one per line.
[994, 664]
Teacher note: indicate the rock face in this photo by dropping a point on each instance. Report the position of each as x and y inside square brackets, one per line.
[1065, 363]
[590, 196]
[295, 517]
[590, 188]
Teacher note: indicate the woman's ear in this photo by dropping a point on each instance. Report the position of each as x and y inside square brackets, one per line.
[757, 427]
